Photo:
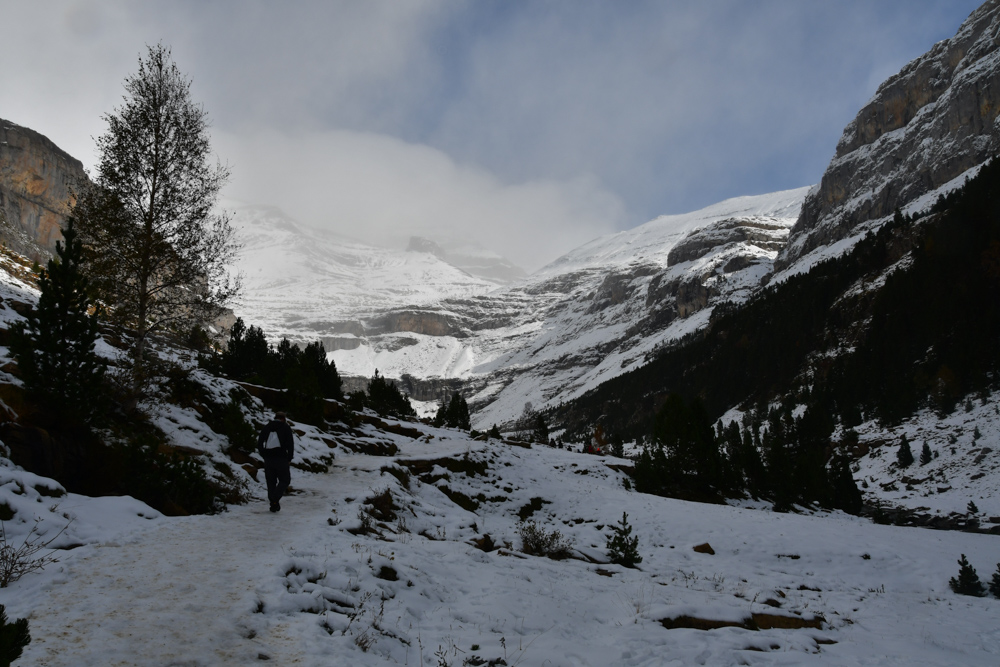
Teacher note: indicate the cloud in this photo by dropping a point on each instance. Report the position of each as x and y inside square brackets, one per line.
[551, 121]
[382, 190]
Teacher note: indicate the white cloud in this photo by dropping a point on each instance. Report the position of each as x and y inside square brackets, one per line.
[382, 190]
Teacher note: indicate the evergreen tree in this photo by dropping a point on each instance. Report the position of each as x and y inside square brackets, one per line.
[13, 638]
[968, 582]
[971, 508]
[904, 455]
[541, 429]
[54, 347]
[494, 433]
[156, 252]
[386, 399]
[846, 495]
[623, 549]
[995, 583]
[458, 413]
[925, 455]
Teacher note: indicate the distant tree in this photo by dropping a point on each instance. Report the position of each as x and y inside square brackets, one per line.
[971, 508]
[623, 549]
[314, 363]
[995, 583]
[455, 414]
[968, 582]
[540, 432]
[845, 492]
[156, 251]
[494, 433]
[925, 455]
[54, 347]
[386, 399]
[904, 456]
[246, 353]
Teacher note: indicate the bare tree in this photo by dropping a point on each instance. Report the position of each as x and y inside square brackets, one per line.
[156, 253]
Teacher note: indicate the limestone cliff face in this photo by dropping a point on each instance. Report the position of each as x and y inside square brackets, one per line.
[36, 177]
[926, 125]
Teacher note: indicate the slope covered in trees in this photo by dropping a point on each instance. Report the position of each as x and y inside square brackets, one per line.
[908, 318]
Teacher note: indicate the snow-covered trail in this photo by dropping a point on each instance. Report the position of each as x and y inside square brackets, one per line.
[174, 595]
[297, 588]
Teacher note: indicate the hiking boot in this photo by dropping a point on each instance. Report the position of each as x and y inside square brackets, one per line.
[275, 507]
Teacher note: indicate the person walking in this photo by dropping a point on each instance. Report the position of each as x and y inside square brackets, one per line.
[276, 444]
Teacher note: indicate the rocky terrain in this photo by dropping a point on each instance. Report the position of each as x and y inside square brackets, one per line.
[926, 125]
[36, 178]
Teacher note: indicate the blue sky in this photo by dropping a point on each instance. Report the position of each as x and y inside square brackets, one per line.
[529, 127]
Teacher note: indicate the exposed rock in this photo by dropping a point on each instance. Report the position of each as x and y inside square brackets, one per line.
[704, 548]
[764, 233]
[925, 126]
[427, 322]
[36, 177]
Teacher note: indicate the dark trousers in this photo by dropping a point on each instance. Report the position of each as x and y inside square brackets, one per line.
[278, 477]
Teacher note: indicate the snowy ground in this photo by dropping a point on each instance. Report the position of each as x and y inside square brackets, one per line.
[298, 588]
[965, 467]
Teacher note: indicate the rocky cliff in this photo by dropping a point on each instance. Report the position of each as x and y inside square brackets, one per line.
[925, 126]
[36, 179]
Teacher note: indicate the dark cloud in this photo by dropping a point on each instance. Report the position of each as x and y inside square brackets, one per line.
[529, 126]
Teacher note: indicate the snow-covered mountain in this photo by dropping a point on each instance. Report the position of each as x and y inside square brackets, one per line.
[548, 337]
[927, 125]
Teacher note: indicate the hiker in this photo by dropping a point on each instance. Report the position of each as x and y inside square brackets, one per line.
[276, 444]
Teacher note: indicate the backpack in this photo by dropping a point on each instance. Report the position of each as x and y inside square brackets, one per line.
[272, 442]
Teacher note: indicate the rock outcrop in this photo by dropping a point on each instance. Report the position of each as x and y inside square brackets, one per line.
[924, 127]
[36, 178]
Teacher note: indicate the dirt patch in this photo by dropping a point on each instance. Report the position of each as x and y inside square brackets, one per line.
[760, 621]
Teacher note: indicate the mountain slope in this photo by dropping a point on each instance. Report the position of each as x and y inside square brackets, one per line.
[926, 125]
[547, 337]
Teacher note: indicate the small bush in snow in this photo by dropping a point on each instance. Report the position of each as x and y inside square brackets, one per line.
[13, 637]
[536, 541]
[17, 561]
[995, 583]
[622, 547]
[968, 582]
[925, 455]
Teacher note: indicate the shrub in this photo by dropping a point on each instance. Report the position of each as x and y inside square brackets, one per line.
[17, 561]
[536, 541]
[13, 637]
[623, 549]
[968, 582]
[995, 583]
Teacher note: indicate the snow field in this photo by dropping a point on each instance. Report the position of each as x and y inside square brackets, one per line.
[299, 588]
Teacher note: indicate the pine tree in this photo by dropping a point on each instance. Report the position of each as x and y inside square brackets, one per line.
[971, 508]
[968, 582]
[386, 399]
[13, 638]
[457, 415]
[494, 433]
[904, 455]
[155, 251]
[623, 549]
[925, 455]
[845, 492]
[54, 347]
[995, 583]
[540, 432]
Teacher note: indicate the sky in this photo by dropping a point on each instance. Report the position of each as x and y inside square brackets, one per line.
[526, 127]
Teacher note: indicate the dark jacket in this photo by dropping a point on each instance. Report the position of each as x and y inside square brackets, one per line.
[285, 437]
